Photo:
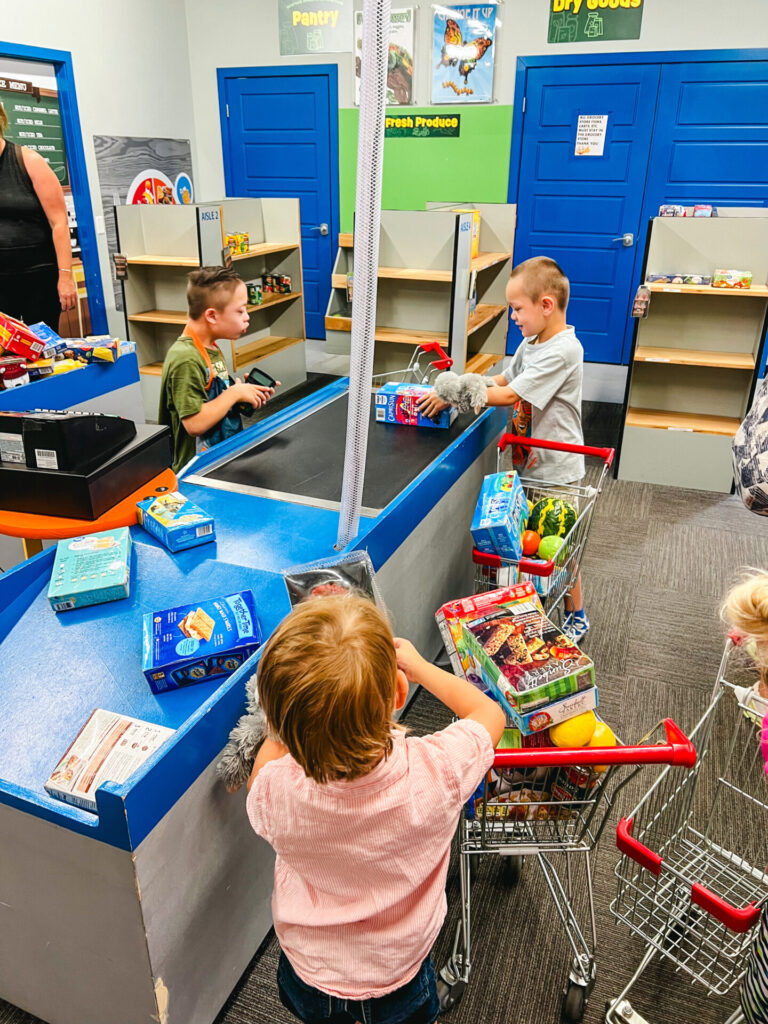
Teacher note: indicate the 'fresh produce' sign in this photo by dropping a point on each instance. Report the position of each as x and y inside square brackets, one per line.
[422, 126]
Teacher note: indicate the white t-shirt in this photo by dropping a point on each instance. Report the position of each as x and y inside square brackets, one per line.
[549, 377]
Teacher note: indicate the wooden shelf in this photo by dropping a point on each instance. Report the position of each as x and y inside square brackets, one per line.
[695, 357]
[273, 299]
[164, 261]
[483, 260]
[397, 335]
[482, 362]
[757, 291]
[697, 423]
[264, 249]
[345, 240]
[152, 369]
[483, 315]
[261, 349]
[159, 316]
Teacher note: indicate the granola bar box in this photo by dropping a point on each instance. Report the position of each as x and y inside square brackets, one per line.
[108, 748]
[195, 643]
[175, 521]
[93, 569]
[524, 659]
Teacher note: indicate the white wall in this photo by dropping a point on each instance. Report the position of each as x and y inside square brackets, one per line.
[132, 75]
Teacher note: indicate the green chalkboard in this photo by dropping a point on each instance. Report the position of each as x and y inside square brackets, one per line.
[36, 122]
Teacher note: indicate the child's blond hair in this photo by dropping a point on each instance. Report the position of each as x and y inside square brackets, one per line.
[327, 686]
[543, 276]
[746, 608]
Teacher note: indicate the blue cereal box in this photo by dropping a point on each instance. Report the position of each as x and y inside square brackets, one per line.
[396, 403]
[176, 522]
[91, 570]
[198, 642]
[500, 516]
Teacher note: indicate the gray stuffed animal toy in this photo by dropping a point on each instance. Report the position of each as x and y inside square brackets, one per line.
[237, 758]
[467, 392]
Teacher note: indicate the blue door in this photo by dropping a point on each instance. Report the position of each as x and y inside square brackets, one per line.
[585, 210]
[280, 138]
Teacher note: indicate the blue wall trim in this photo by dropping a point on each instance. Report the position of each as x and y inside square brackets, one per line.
[78, 176]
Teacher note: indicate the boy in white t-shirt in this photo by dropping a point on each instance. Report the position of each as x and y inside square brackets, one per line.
[542, 384]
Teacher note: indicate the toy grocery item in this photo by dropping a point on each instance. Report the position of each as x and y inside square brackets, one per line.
[175, 521]
[552, 516]
[344, 574]
[398, 403]
[195, 643]
[500, 516]
[731, 279]
[108, 748]
[93, 569]
[575, 732]
[549, 546]
[530, 542]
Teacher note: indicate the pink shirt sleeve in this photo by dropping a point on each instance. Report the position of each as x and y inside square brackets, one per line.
[467, 753]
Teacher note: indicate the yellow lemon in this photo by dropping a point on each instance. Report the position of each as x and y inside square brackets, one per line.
[575, 732]
[602, 737]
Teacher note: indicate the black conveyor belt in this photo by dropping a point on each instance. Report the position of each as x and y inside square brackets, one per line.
[306, 459]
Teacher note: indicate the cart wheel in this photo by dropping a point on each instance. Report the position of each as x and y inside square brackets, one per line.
[513, 868]
[449, 995]
[574, 1003]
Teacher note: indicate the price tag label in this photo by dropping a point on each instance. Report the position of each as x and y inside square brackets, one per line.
[120, 263]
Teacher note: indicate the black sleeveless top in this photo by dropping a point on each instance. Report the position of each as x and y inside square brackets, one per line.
[26, 239]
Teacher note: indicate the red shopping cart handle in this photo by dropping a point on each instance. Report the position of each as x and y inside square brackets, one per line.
[444, 362]
[606, 454]
[677, 750]
[529, 565]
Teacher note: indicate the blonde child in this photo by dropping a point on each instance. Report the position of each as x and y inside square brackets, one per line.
[360, 815]
[542, 387]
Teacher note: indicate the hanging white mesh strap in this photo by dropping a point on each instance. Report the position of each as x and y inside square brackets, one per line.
[370, 152]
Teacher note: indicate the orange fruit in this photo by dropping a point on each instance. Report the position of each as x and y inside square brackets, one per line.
[531, 541]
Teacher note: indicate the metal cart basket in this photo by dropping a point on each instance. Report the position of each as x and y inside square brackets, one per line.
[418, 372]
[553, 578]
[694, 875]
[551, 804]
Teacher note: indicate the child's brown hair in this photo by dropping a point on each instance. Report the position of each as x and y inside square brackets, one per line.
[210, 287]
[3, 121]
[543, 276]
[327, 685]
[746, 607]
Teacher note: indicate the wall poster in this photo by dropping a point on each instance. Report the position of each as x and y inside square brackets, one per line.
[400, 69]
[314, 26]
[463, 53]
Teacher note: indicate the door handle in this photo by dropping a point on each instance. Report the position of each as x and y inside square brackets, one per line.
[626, 239]
[322, 228]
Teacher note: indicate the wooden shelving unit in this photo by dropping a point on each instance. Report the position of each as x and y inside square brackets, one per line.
[425, 273]
[695, 358]
[162, 243]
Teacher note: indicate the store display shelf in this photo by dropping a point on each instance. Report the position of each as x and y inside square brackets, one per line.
[273, 300]
[482, 362]
[484, 260]
[147, 260]
[264, 249]
[159, 316]
[483, 315]
[481, 262]
[695, 357]
[398, 335]
[697, 423]
[260, 350]
[152, 369]
[757, 291]
[346, 240]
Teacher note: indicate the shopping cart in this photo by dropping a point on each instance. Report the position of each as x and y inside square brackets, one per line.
[554, 577]
[416, 372]
[551, 804]
[693, 878]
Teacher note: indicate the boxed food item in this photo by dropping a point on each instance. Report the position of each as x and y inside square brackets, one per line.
[500, 516]
[13, 372]
[704, 210]
[474, 227]
[396, 403]
[702, 279]
[544, 585]
[452, 616]
[722, 279]
[195, 643]
[175, 521]
[93, 569]
[108, 748]
[524, 659]
[16, 338]
[540, 719]
[238, 241]
[671, 210]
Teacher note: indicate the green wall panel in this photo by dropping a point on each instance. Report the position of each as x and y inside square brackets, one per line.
[472, 168]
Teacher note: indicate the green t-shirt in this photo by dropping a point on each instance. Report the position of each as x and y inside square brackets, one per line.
[183, 393]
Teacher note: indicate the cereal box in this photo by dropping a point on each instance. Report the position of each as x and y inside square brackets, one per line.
[108, 748]
[93, 569]
[722, 279]
[500, 516]
[195, 643]
[396, 403]
[175, 521]
[16, 338]
[524, 659]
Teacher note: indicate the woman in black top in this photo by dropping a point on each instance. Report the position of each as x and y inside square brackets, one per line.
[35, 254]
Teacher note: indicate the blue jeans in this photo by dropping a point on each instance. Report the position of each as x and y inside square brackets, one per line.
[414, 1003]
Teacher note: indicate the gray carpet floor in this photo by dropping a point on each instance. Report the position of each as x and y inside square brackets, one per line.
[658, 563]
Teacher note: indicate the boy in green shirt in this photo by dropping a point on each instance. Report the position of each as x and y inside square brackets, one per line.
[197, 400]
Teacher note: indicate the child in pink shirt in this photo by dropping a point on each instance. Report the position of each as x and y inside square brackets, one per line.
[360, 816]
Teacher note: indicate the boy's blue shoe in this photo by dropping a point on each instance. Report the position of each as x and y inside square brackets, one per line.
[575, 625]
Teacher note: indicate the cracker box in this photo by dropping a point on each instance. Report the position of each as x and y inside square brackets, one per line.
[93, 569]
[396, 403]
[108, 748]
[16, 338]
[720, 279]
[195, 643]
[524, 659]
[500, 516]
[175, 521]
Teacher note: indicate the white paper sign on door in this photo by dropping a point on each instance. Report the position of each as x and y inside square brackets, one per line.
[590, 134]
